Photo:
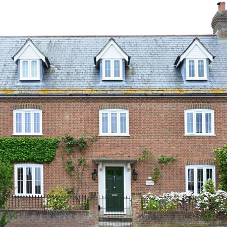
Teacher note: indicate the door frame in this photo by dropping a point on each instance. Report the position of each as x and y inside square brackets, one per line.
[127, 183]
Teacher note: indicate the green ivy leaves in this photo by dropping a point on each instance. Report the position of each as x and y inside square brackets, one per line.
[37, 150]
[221, 160]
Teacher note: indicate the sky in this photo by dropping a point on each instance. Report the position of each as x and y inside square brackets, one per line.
[105, 17]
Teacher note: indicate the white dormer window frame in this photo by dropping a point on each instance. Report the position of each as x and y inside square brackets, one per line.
[29, 69]
[196, 69]
[112, 69]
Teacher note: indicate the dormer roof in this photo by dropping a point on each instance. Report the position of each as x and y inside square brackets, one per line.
[29, 44]
[112, 44]
[196, 47]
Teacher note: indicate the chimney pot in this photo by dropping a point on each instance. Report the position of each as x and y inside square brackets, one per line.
[221, 6]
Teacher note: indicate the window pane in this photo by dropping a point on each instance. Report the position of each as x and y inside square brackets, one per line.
[34, 68]
[113, 122]
[107, 68]
[29, 180]
[191, 68]
[20, 180]
[199, 180]
[208, 122]
[209, 174]
[18, 122]
[189, 122]
[123, 123]
[37, 181]
[198, 122]
[191, 180]
[105, 123]
[25, 69]
[116, 68]
[201, 68]
[27, 122]
[36, 123]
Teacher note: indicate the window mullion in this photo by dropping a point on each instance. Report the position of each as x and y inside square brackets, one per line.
[187, 178]
[204, 176]
[118, 122]
[112, 68]
[195, 181]
[203, 123]
[33, 180]
[194, 122]
[212, 122]
[196, 68]
[109, 122]
[24, 181]
[127, 122]
[29, 69]
[32, 122]
[23, 122]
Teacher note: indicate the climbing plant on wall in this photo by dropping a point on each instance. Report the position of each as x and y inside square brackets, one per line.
[158, 164]
[221, 160]
[74, 159]
[37, 150]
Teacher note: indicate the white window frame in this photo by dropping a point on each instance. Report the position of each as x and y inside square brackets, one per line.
[32, 112]
[194, 112]
[196, 77]
[109, 112]
[24, 166]
[111, 69]
[195, 168]
[29, 70]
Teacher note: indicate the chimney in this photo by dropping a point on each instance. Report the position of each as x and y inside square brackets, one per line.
[221, 6]
[219, 21]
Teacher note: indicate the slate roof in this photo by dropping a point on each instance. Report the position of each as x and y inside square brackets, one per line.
[72, 64]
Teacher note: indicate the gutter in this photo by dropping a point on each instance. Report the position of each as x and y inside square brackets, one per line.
[144, 95]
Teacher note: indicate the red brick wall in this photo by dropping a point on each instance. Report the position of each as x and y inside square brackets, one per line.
[26, 218]
[155, 123]
[174, 218]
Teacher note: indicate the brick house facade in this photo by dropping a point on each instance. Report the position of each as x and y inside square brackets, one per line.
[164, 93]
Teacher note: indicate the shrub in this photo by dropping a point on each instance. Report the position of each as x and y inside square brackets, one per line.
[212, 205]
[152, 205]
[57, 199]
[209, 186]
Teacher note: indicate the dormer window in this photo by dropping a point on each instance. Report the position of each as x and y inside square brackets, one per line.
[196, 69]
[112, 69]
[112, 61]
[29, 69]
[194, 62]
[31, 62]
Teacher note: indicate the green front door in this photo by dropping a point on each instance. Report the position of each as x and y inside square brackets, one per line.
[114, 189]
